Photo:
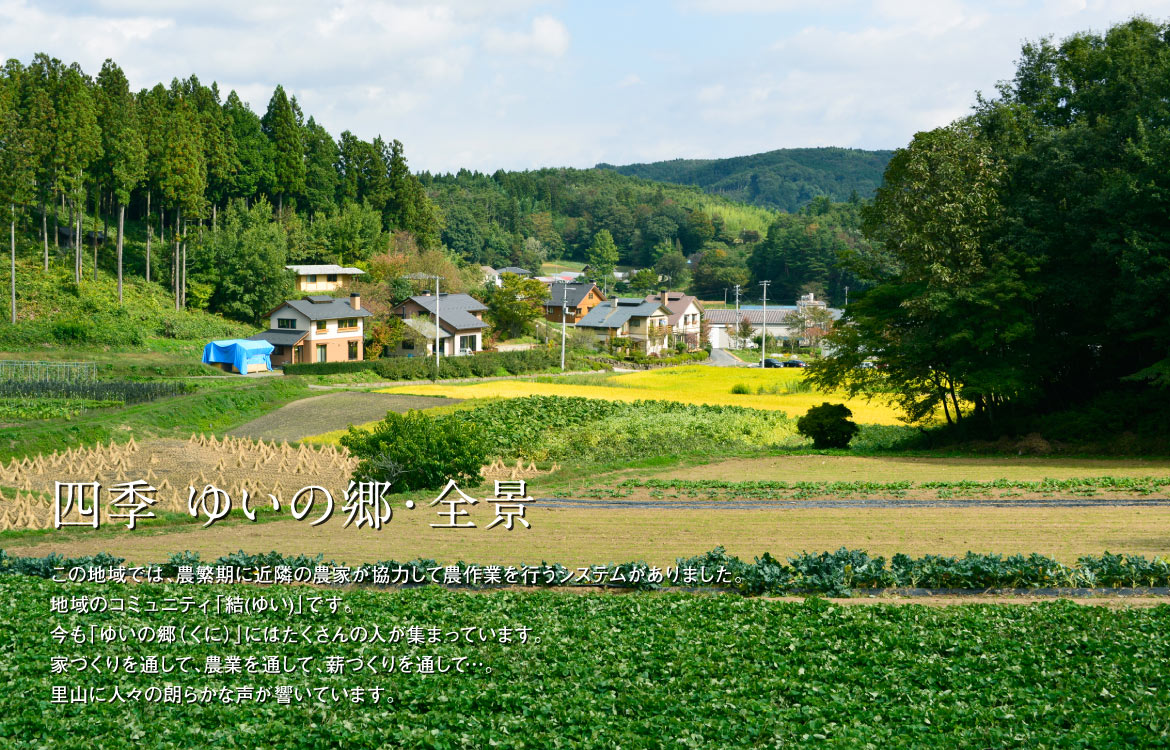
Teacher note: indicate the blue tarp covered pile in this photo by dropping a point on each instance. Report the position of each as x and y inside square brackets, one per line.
[239, 353]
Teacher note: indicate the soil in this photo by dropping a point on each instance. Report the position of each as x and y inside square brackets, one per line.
[332, 411]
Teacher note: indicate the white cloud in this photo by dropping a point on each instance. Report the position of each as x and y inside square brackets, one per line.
[527, 83]
[547, 37]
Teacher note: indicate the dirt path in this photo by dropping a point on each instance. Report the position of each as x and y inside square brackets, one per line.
[332, 411]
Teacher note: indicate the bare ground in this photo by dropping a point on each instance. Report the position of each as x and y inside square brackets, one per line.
[332, 411]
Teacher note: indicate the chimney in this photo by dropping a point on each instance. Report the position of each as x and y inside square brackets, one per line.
[355, 300]
[665, 298]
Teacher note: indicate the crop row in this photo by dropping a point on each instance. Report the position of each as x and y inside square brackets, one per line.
[831, 573]
[126, 392]
[602, 672]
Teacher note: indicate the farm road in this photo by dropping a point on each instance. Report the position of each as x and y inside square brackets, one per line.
[332, 411]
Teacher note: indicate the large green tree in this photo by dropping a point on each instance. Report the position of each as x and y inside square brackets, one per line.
[243, 264]
[515, 304]
[124, 164]
[284, 132]
[1024, 261]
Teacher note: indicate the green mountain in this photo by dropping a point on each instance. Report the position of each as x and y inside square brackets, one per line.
[786, 179]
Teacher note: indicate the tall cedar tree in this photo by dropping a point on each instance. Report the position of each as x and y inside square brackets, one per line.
[124, 164]
[280, 125]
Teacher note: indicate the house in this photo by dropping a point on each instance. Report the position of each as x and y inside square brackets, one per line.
[632, 318]
[324, 278]
[317, 328]
[460, 323]
[724, 324]
[522, 272]
[579, 298]
[686, 315]
[490, 275]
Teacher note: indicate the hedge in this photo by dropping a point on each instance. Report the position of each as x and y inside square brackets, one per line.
[484, 364]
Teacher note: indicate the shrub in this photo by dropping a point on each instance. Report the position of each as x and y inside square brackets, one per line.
[741, 388]
[417, 452]
[828, 425]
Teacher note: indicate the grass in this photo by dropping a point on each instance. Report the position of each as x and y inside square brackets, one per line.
[692, 384]
[213, 409]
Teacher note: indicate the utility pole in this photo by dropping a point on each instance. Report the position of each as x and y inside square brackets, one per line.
[736, 329]
[564, 313]
[437, 342]
[846, 295]
[764, 337]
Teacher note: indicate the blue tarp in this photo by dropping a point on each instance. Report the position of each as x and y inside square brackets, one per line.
[239, 353]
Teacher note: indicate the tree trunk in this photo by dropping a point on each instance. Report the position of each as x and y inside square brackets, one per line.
[97, 206]
[148, 233]
[280, 205]
[121, 225]
[213, 217]
[175, 260]
[45, 231]
[12, 279]
[57, 222]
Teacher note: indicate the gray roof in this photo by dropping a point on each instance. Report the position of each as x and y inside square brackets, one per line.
[756, 317]
[426, 329]
[607, 315]
[577, 292]
[677, 303]
[516, 270]
[279, 336]
[455, 310]
[325, 268]
[324, 307]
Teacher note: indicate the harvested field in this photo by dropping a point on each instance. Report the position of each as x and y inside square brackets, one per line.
[332, 411]
[658, 536]
[911, 468]
[171, 466]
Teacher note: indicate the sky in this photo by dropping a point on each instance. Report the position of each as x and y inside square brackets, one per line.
[520, 84]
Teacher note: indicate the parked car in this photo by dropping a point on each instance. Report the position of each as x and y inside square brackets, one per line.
[770, 362]
[793, 363]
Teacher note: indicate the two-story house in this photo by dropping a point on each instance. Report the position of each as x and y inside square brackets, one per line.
[579, 298]
[324, 277]
[686, 315]
[461, 323]
[643, 322]
[318, 328]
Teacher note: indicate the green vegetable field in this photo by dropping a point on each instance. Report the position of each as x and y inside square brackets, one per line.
[604, 670]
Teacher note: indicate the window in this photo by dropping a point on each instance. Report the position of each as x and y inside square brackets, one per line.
[331, 277]
[286, 323]
[347, 323]
[322, 355]
[467, 342]
[311, 278]
[322, 326]
[353, 350]
[407, 344]
[278, 350]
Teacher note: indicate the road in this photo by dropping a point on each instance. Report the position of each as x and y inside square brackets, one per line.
[720, 358]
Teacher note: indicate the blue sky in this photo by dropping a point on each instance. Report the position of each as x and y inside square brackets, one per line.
[518, 84]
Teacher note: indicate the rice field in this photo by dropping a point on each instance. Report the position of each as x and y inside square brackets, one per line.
[691, 384]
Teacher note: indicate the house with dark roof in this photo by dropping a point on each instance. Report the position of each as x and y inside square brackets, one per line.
[577, 299]
[317, 328]
[724, 324]
[324, 277]
[643, 323]
[514, 269]
[460, 328]
[686, 315]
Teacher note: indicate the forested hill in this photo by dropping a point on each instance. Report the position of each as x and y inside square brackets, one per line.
[785, 179]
